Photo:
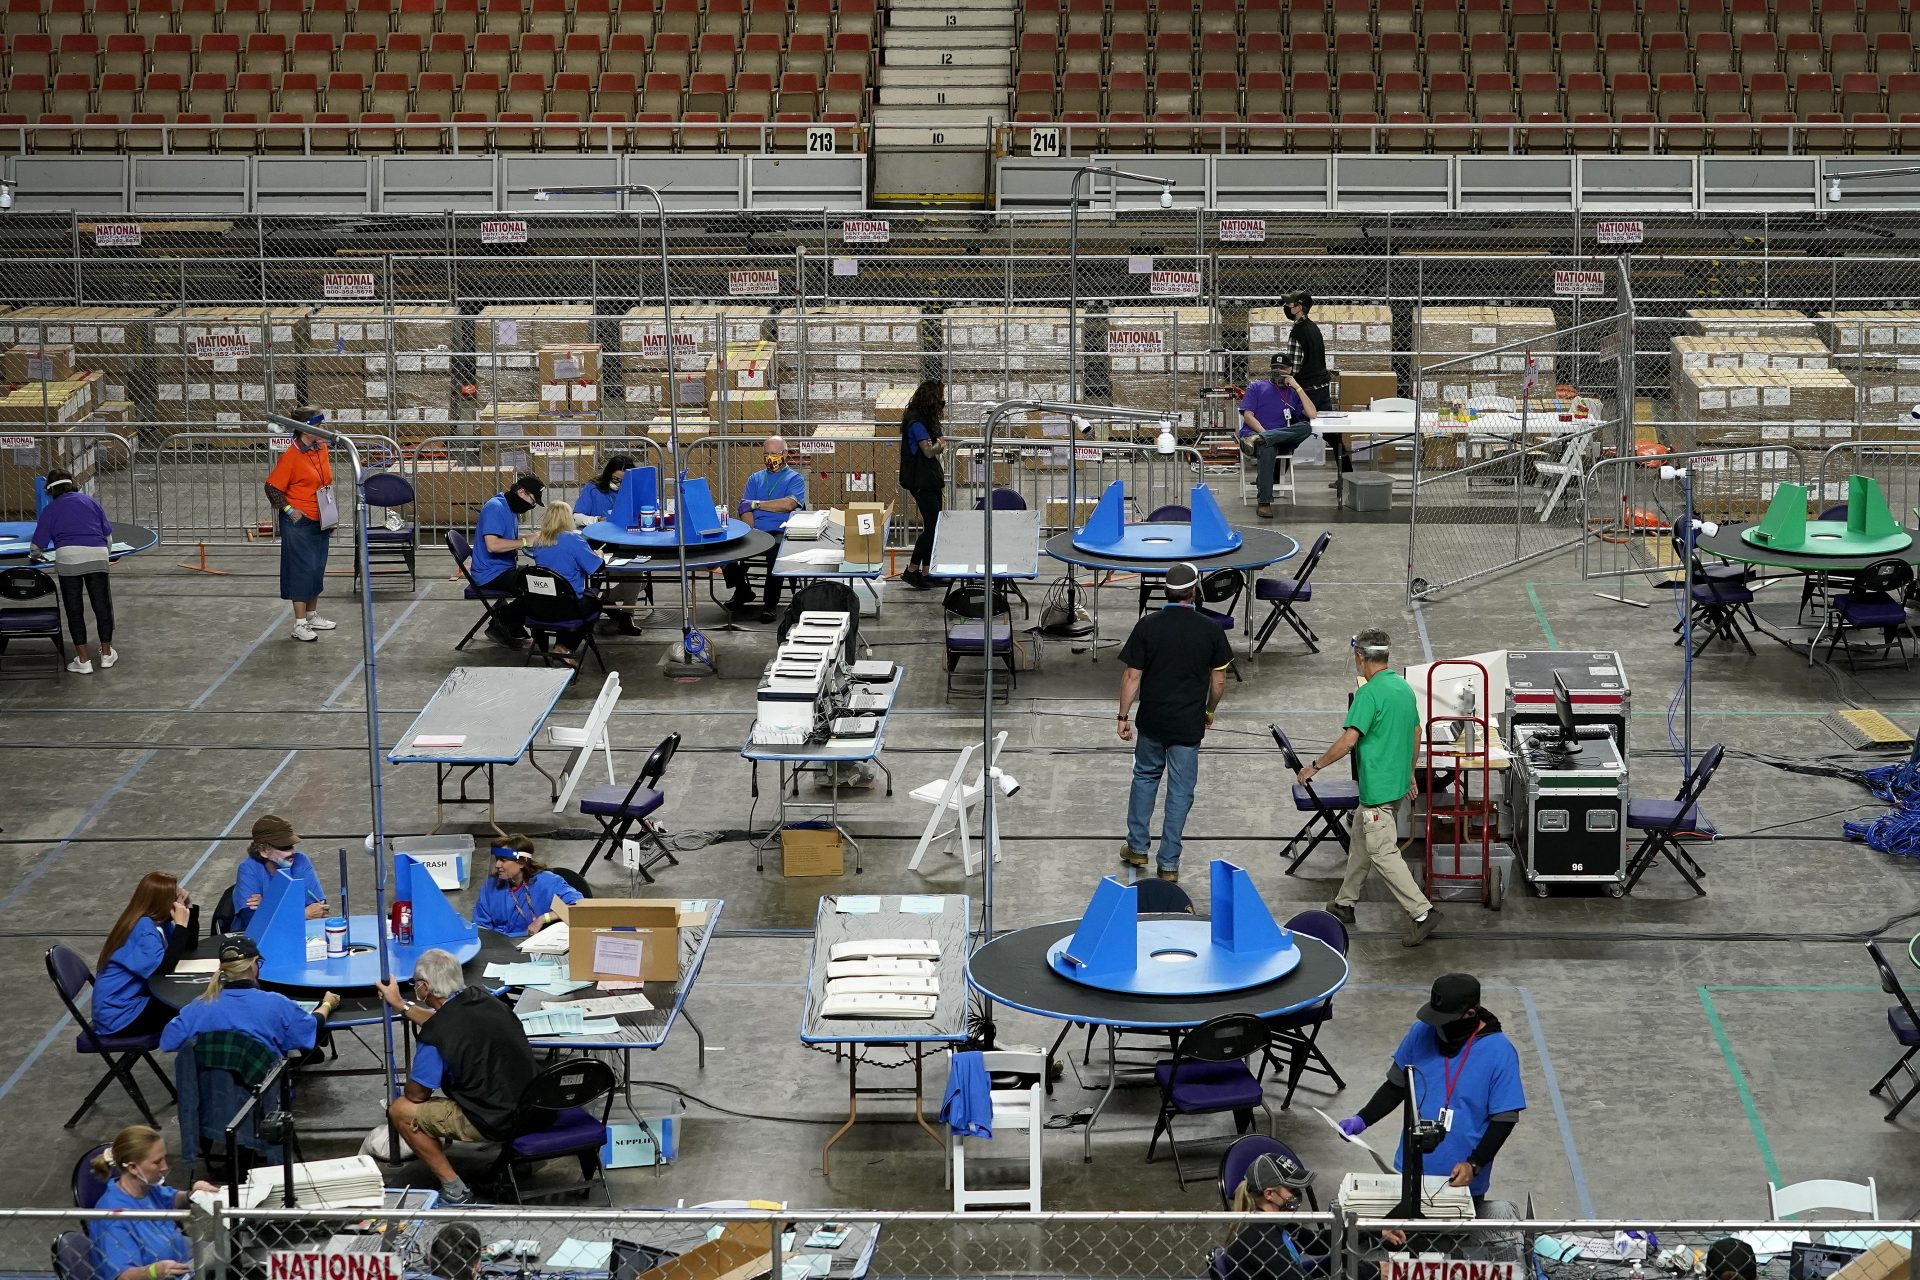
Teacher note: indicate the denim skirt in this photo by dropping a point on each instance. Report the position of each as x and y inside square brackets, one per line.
[303, 557]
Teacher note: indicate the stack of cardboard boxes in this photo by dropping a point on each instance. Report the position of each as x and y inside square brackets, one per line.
[1359, 336]
[1459, 337]
[834, 362]
[1157, 358]
[1003, 353]
[855, 461]
[227, 367]
[1880, 350]
[116, 341]
[700, 335]
[383, 368]
[507, 340]
[1749, 322]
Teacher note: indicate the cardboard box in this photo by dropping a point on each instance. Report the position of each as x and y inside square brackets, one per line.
[687, 390]
[37, 364]
[866, 533]
[750, 366]
[741, 1251]
[745, 410]
[1356, 389]
[569, 364]
[1885, 1261]
[1055, 515]
[448, 494]
[653, 923]
[812, 851]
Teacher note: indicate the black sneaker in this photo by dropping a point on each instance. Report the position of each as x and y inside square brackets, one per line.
[765, 615]
[1422, 929]
[1343, 914]
[1248, 445]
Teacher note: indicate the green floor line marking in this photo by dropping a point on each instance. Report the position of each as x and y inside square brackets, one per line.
[1740, 1087]
[1541, 614]
[1747, 1102]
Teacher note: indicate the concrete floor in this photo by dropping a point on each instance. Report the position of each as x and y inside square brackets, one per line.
[1677, 1051]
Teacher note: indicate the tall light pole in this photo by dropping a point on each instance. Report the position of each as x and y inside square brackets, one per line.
[693, 649]
[1073, 263]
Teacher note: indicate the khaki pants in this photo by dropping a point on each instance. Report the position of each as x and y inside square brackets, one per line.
[1376, 847]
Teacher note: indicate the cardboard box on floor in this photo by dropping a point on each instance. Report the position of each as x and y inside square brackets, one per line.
[1885, 1261]
[1360, 388]
[654, 923]
[811, 851]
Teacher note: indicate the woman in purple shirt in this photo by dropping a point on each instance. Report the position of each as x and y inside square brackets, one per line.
[77, 531]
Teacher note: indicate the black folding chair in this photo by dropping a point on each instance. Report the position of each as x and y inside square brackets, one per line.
[462, 552]
[1223, 587]
[619, 809]
[28, 587]
[392, 542]
[1323, 801]
[555, 1120]
[1904, 1021]
[1207, 1074]
[71, 975]
[551, 611]
[1284, 593]
[1665, 821]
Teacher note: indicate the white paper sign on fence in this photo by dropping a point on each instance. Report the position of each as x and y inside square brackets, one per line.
[503, 231]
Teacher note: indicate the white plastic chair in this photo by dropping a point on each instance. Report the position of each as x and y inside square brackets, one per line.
[953, 796]
[1824, 1196]
[586, 739]
[1392, 404]
[1559, 465]
[1013, 1109]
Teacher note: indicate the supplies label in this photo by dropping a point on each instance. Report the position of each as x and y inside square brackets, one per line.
[1166, 282]
[503, 232]
[347, 284]
[116, 235]
[222, 346]
[754, 281]
[865, 231]
[1243, 231]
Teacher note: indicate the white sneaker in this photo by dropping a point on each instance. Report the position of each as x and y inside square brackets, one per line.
[80, 668]
[303, 631]
[319, 623]
[108, 659]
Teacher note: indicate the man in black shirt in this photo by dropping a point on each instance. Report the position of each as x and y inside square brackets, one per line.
[1176, 666]
[1308, 351]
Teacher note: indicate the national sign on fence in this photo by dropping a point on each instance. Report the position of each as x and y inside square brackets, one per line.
[865, 231]
[222, 346]
[752, 281]
[347, 284]
[1444, 1269]
[1243, 231]
[503, 232]
[1167, 282]
[1620, 232]
[1579, 282]
[1136, 341]
[116, 235]
[287, 1264]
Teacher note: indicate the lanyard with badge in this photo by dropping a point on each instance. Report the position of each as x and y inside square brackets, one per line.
[1452, 1078]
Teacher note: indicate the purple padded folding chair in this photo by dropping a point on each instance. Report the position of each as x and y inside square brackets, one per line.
[72, 976]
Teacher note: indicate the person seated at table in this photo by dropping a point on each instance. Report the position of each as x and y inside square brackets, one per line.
[456, 1252]
[557, 546]
[273, 849]
[140, 1249]
[770, 496]
[149, 938]
[496, 548]
[1275, 1183]
[233, 1001]
[1729, 1258]
[595, 502]
[486, 1065]
[1274, 414]
[519, 897]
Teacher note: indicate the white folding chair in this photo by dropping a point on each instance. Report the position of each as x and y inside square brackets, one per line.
[1558, 465]
[1012, 1109]
[1392, 404]
[587, 738]
[1824, 1196]
[952, 795]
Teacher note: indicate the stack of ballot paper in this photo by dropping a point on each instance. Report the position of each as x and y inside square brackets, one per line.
[1376, 1195]
[550, 941]
[350, 1182]
[805, 526]
[565, 1020]
[581, 1255]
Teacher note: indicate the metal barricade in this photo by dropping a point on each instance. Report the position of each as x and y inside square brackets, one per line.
[1632, 511]
[1893, 464]
[209, 487]
[1036, 469]
[454, 475]
[102, 463]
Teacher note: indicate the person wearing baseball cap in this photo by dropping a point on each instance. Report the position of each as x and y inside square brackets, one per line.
[497, 543]
[1175, 664]
[234, 1002]
[1383, 721]
[1276, 415]
[274, 849]
[1465, 1075]
[1276, 1182]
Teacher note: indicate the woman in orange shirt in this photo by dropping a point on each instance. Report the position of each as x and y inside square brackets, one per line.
[300, 487]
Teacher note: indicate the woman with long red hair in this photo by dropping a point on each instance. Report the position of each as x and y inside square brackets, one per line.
[149, 937]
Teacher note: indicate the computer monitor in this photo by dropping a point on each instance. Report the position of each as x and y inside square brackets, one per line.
[1563, 712]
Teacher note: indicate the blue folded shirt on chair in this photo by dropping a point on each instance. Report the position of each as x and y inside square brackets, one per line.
[968, 1106]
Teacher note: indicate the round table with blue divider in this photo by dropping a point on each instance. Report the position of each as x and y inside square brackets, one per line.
[15, 547]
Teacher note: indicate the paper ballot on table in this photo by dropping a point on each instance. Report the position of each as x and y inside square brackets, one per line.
[193, 967]
[607, 1006]
[581, 1255]
[565, 1020]
[550, 941]
[1386, 1165]
[619, 955]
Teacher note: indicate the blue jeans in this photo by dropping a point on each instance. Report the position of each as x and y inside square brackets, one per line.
[1271, 446]
[1182, 767]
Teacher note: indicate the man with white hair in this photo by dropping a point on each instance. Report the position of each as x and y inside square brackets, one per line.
[769, 497]
[472, 1049]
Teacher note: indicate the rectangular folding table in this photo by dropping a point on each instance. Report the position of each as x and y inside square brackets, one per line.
[959, 544]
[494, 713]
[794, 759]
[944, 917]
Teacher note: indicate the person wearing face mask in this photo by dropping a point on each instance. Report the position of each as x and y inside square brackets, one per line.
[1275, 1183]
[300, 486]
[595, 504]
[497, 544]
[481, 1061]
[770, 496]
[1382, 724]
[153, 1249]
[522, 896]
[1466, 1074]
[273, 849]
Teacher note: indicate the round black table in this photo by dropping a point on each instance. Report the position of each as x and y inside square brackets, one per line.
[1727, 544]
[667, 559]
[1258, 548]
[1013, 970]
[14, 535]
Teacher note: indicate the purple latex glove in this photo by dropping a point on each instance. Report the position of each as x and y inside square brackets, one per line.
[744, 507]
[1353, 1126]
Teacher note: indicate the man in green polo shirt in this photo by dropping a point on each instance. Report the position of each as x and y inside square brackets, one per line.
[1380, 731]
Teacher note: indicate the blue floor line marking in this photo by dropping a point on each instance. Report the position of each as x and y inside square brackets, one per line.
[1559, 1106]
[378, 644]
[279, 620]
[1420, 625]
[87, 819]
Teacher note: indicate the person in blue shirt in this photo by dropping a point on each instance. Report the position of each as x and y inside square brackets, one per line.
[149, 938]
[234, 1002]
[496, 549]
[595, 502]
[559, 548]
[520, 897]
[921, 444]
[1275, 415]
[150, 1249]
[1466, 1075]
[770, 496]
[274, 848]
